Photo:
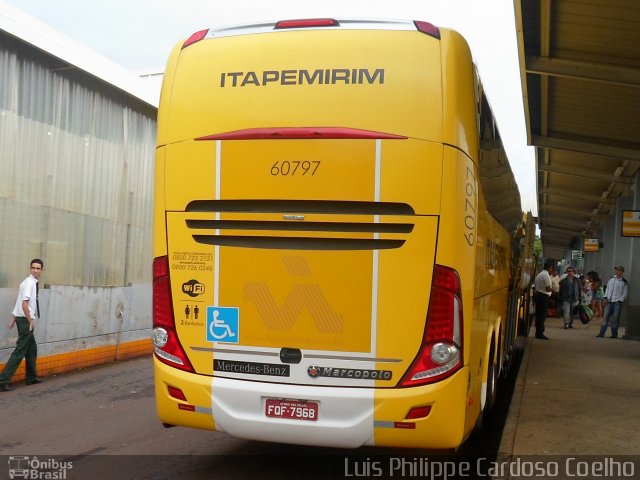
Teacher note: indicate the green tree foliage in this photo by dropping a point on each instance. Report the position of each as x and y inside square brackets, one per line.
[537, 251]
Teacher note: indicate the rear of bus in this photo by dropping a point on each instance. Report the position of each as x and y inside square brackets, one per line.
[315, 234]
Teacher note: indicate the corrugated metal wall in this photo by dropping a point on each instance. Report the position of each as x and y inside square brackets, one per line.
[76, 178]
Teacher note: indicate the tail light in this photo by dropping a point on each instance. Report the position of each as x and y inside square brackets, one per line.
[298, 133]
[307, 23]
[194, 38]
[428, 29]
[440, 354]
[175, 392]
[166, 345]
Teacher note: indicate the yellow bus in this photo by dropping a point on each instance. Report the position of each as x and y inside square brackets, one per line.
[326, 270]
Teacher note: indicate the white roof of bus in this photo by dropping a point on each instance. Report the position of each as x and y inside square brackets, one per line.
[56, 44]
[353, 24]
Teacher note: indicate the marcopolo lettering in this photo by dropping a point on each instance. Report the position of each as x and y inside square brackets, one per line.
[326, 76]
[354, 373]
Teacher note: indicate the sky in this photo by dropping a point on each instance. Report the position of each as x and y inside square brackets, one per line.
[139, 35]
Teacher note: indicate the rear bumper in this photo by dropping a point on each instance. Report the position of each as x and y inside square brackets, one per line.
[348, 417]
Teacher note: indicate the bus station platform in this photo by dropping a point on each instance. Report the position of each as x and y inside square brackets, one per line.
[575, 394]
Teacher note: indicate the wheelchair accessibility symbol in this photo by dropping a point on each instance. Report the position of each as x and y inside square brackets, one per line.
[223, 324]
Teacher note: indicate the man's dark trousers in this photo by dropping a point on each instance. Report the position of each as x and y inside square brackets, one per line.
[541, 303]
[25, 348]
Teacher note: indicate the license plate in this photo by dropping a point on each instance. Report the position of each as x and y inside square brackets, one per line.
[291, 409]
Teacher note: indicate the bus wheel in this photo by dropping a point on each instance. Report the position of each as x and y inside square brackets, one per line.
[489, 400]
[492, 382]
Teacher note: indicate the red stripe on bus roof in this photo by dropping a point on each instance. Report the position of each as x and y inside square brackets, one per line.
[300, 133]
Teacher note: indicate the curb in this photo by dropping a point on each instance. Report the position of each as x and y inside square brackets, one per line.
[505, 450]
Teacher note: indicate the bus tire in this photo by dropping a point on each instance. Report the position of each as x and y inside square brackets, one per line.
[492, 383]
[490, 392]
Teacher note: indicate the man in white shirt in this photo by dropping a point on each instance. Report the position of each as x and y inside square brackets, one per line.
[25, 312]
[614, 297]
[541, 298]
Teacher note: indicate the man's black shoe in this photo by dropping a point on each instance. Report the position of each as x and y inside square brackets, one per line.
[5, 388]
[542, 337]
[33, 382]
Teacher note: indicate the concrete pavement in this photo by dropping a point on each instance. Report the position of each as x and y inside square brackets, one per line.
[575, 395]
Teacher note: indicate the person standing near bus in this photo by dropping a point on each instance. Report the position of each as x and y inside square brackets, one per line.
[554, 299]
[615, 295]
[569, 295]
[541, 298]
[597, 293]
[25, 312]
